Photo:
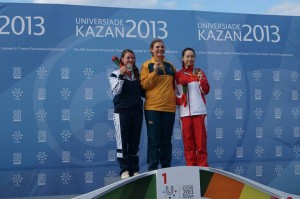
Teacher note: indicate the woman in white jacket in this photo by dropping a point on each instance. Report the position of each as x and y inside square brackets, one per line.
[191, 88]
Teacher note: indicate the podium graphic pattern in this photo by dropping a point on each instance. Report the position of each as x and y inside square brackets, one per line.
[179, 183]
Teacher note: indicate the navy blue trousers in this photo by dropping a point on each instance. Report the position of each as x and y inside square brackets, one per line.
[159, 131]
[128, 132]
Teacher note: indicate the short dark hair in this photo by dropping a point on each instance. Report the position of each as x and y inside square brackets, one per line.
[186, 49]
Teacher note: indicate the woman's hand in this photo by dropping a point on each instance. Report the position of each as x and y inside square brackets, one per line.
[156, 67]
[123, 70]
[199, 75]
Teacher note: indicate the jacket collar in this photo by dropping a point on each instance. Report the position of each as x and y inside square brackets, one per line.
[154, 60]
[188, 70]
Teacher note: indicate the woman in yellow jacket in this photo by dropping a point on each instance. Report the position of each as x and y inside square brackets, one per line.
[157, 79]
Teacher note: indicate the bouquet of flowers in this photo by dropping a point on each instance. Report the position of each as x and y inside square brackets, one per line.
[116, 60]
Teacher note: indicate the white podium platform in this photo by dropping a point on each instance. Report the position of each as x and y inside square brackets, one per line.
[187, 183]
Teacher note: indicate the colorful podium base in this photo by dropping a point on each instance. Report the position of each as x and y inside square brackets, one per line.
[187, 183]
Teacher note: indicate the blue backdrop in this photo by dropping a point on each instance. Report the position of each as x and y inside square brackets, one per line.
[56, 128]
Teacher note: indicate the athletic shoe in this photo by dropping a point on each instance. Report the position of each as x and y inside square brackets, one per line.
[125, 175]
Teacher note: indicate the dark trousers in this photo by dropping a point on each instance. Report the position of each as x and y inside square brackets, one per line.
[159, 131]
[128, 132]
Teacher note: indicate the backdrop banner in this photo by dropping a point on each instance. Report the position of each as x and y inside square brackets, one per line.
[56, 118]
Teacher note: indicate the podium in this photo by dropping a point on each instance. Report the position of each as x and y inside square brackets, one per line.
[187, 182]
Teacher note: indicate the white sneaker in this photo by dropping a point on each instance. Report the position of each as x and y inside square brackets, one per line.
[135, 174]
[125, 175]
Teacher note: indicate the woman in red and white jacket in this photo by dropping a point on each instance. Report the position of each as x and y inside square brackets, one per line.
[191, 88]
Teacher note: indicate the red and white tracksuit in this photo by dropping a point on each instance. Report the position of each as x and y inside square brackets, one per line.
[190, 98]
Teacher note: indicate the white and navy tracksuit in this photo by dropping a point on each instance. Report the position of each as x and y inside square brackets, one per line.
[128, 118]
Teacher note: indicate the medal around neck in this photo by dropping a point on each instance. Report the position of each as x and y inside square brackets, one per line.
[129, 67]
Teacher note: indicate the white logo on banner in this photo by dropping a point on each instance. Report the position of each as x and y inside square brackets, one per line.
[219, 152]
[89, 135]
[17, 93]
[259, 171]
[238, 113]
[277, 93]
[295, 113]
[41, 93]
[112, 155]
[65, 177]
[65, 135]
[296, 150]
[277, 113]
[111, 133]
[219, 133]
[65, 114]
[238, 93]
[239, 132]
[41, 72]
[297, 169]
[219, 113]
[218, 94]
[65, 73]
[89, 155]
[17, 158]
[65, 156]
[177, 152]
[257, 94]
[17, 73]
[257, 75]
[42, 136]
[42, 179]
[42, 156]
[276, 76]
[88, 113]
[259, 150]
[65, 93]
[88, 73]
[278, 169]
[296, 131]
[237, 75]
[17, 136]
[239, 152]
[259, 132]
[278, 131]
[111, 173]
[88, 177]
[17, 180]
[217, 74]
[177, 134]
[258, 113]
[294, 76]
[88, 93]
[110, 114]
[109, 94]
[17, 115]
[239, 170]
[278, 151]
[41, 114]
[295, 95]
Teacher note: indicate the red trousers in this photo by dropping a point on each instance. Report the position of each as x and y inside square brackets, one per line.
[194, 140]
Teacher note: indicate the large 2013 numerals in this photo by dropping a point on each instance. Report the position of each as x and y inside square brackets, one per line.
[260, 33]
[19, 25]
[145, 29]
